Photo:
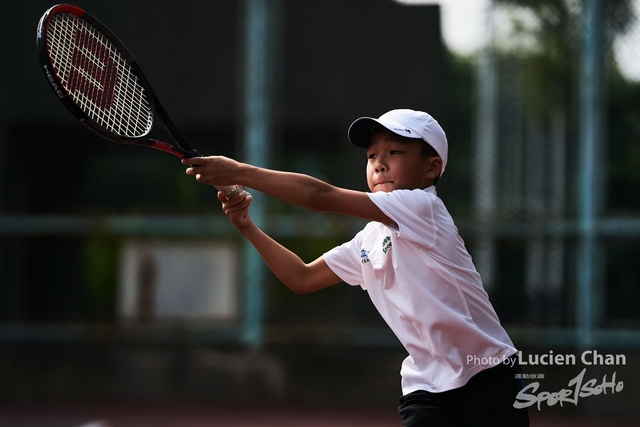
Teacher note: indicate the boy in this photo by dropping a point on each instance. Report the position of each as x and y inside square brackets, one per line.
[460, 370]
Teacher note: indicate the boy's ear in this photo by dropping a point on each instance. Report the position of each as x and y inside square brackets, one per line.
[435, 167]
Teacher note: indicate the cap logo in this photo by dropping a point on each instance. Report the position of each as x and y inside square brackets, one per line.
[402, 130]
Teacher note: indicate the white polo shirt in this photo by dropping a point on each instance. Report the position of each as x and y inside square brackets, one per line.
[422, 280]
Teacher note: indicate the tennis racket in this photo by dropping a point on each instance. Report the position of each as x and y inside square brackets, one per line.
[98, 80]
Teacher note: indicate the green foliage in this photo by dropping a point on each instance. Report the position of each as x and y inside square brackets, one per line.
[551, 77]
[623, 149]
[100, 265]
[455, 186]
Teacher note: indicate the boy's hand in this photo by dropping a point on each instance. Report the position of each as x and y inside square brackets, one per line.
[236, 208]
[213, 170]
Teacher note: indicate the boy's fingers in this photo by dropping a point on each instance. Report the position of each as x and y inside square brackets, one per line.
[192, 160]
[234, 200]
[247, 197]
[242, 198]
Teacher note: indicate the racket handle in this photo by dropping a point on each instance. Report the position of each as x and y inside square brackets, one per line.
[230, 190]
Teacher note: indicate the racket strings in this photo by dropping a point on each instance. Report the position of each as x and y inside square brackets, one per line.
[97, 76]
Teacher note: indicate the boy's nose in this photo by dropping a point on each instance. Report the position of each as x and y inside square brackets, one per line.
[381, 167]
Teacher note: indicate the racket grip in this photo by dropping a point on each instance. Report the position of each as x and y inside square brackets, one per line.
[230, 190]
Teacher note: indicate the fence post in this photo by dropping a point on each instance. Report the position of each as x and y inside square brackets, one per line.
[259, 65]
[486, 143]
[589, 178]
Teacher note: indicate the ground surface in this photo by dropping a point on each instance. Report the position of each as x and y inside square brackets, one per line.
[199, 415]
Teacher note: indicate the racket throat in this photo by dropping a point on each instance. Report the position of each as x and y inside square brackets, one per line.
[183, 145]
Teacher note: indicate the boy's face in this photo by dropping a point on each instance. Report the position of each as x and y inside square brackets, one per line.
[395, 162]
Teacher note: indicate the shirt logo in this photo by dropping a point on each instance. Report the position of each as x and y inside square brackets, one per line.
[364, 256]
[386, 244]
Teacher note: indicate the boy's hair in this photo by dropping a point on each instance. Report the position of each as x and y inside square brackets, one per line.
[427, 150]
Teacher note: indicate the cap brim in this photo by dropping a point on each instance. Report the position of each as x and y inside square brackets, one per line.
[360, 131]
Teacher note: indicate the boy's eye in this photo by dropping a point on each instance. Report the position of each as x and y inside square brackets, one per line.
[371, 156]
[395, 152]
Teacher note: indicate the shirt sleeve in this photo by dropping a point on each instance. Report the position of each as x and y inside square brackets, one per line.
[344, 261]
[412, 211]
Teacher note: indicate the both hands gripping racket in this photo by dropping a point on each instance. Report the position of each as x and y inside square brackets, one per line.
[100, 83]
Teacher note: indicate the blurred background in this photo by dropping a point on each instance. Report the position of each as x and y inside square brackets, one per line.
[121, 282]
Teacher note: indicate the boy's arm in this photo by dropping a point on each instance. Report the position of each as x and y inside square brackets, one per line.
[301, 278]
[298, 189]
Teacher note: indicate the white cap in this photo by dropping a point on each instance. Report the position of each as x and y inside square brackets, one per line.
[404, 122]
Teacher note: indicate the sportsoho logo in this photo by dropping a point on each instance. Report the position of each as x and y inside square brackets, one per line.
[578, 387]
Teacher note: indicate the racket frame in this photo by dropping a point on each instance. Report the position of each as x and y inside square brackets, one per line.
[182, 150]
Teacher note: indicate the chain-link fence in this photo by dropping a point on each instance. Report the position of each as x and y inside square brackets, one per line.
[555, 158]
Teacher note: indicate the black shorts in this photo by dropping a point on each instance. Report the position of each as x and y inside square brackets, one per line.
[486, 400]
